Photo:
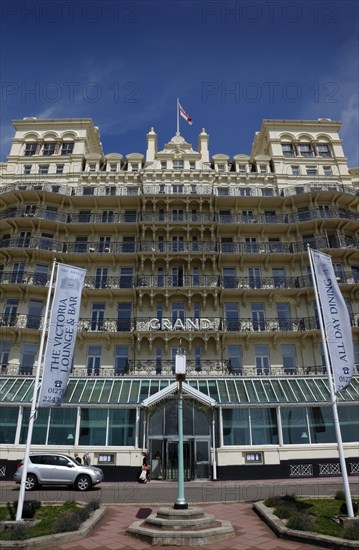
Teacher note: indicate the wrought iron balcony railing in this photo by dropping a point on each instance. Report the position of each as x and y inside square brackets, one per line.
[194, 368]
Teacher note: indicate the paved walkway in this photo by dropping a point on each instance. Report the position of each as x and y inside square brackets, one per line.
[251, 532]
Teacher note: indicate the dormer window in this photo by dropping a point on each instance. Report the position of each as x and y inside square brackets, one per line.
[49, 149]
[221, 167]
[92, 167]
[242, 169]
[192, 165]
[262, 169]
[113, 167]
[163, 164]
[134, 167]
[177, 164]
[30, 149]
[288, 150]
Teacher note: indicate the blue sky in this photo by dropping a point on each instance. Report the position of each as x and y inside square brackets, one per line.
[232, 63]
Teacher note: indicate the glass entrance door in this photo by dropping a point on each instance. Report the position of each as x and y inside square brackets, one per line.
[172, 460]
[202, 459]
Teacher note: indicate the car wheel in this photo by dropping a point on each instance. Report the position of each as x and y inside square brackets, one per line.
[83, 483]
[31, 482]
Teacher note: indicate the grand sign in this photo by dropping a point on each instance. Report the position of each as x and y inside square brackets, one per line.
[180, 324]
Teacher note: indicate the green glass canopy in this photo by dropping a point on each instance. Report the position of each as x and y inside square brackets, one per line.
[225, 391]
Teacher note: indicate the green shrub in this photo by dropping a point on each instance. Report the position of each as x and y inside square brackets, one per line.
[69, 521]
[283, 511]
[351, 532]
[339, 495]
[83, 513]
[272, 502]
[300, 521]
[289, 498]
[19, 531]
[93, 505]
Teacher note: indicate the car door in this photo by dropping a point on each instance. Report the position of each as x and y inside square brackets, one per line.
[42, 467]
[64, 470]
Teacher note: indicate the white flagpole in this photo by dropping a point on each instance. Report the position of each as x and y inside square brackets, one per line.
[20, 503]
[338, 432]
[177, 116]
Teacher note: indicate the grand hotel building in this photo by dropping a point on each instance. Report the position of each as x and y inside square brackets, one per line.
[182, 250]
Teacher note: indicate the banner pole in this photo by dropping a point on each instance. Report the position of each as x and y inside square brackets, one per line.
[20, 503]
[177, 116]
[338, 433]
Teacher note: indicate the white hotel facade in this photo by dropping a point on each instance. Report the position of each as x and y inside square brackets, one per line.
[182, 250]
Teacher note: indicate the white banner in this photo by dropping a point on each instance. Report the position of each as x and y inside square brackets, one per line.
[336, 320]
[62, 332]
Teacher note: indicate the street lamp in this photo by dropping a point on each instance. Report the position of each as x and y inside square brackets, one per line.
[180, 370]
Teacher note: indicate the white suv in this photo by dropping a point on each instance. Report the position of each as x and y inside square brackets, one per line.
[51, 469]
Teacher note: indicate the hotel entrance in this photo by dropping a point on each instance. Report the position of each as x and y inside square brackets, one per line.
[196, 459]
[162, 434]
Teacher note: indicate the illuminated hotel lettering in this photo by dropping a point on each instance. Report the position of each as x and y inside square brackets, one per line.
[179, 324]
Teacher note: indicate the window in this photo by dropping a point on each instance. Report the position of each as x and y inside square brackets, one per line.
[62, 426]
[51, 212]
[128, 244]
[222, 191]
[101, 277]
[9, 417]
[192, 165]
[312, 170]
[242, 169]
[81, 244]
[295, 170]
[41, 275]
[177, 276]
[59, 168]
[43, 169]
[197, 310]
[236, 430]
[177, 244]
[10, 312]
[294, 425]
[158, 352]
[178, 311]
[46, 241]
[278, 274]
[289, 358]
[321, 425]
[262, 169]
[231, 314]
[98, 316]
[245, 191]
[221, 167]
[48, 149]
[124, 317]
[254, 277]
[134, 166]
[177, 215]
[88, 191]
[27, 169]
[177, 189]
[24, 239]
[92, 166]
[130, 216]
[126, 277]
[262, 359]
[258, 317]
[264, 428]
[17, 275]
[27, 358]
[107, 216]
[30, 149]
[177, 164]
[93, 360]
[121, 360]
[305, 150]
[67, 149]
[235, 361]
[104, 244]
[327, 170]
[122, 428]
[163, 164]
[4, 355]
[34, 314]
[113, 167]
[288, 150]
[195, 276]
[284, 316]
[197, 358]
[227, 244]
[250, 244]
[93, 427]
[323, 150]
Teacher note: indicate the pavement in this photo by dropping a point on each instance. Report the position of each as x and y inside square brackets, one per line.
[250, 531]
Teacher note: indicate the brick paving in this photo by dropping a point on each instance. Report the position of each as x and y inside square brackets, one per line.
[250, 531]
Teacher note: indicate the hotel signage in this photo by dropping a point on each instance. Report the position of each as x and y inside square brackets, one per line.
[180, 324]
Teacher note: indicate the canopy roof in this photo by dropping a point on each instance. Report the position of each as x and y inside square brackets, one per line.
[224, 391]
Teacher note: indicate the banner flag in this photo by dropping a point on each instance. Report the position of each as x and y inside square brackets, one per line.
[61, 335]
[336, 320]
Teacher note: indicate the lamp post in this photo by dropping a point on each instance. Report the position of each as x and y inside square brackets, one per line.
[180, 369]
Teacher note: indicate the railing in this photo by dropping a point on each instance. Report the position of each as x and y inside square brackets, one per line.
[124, 189]
[163, 367]
[177, 281]
[184, 324]
[201, 217]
